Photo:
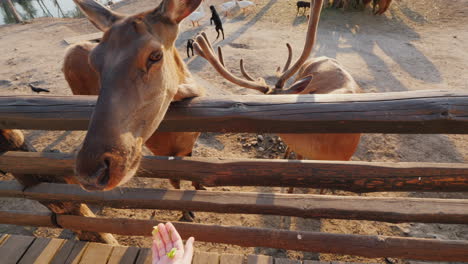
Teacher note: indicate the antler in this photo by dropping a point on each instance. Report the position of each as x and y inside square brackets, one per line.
[288, 61]
[246, 75]
[308, 46]
[203, 47]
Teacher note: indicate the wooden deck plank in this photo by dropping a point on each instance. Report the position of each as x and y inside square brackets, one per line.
[77, 252]
[259, 259]
[122, 255]
[50, 251]
[34, 250]
[231, 259]
[96, 253]
[14, 247]
[287, 261]
[80, 38]
[63, 252]
[205, 258]
[144, 256]
[42, 250]
[3, 237]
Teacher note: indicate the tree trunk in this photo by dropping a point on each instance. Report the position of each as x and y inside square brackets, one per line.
[14, 12]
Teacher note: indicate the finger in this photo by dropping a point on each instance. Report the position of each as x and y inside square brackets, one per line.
[165, 237]
[160, 247]
[175, 237]
[154, 250]
[188, 254]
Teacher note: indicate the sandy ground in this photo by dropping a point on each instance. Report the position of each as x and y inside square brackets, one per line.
[416, 45]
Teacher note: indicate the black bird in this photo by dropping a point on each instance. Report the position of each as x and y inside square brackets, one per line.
[218, 24]
[189, 47]
[38, 90]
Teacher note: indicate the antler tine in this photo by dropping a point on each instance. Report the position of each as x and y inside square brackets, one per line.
[246, 75]
[204, 49]
[308, 46]
[288, 62]
[220, 55]
[203, 34]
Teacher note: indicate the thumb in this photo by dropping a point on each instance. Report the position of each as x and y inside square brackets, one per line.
[188, 252]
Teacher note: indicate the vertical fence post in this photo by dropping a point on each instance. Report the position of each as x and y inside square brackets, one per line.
[13, 140]
[14, 12]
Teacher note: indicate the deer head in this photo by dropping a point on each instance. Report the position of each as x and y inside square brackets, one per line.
[205, 50]
[139, 71]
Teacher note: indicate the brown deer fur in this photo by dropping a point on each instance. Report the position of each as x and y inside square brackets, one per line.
[314, 76]
[137, 72]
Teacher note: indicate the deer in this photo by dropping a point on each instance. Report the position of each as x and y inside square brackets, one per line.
[320, 75]
[136, 71]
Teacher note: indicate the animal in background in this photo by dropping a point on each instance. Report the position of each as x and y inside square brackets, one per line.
[302, 4]
[227, 7]
[320, 75]
[197, 16]
[217, 21]
[189, 47]
[245, 5]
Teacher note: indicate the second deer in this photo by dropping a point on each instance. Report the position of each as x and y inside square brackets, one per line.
[320, 75]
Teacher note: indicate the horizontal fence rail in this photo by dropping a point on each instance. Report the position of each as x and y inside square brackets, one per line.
[361, 245]
[352, 176]
[396, 210]
[422, 112]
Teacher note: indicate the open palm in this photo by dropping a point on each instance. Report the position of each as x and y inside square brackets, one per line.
[165, 240]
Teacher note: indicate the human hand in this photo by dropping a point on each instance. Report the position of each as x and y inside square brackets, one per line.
[164, 240]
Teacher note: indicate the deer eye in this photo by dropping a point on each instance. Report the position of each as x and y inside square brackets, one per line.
[154, 57]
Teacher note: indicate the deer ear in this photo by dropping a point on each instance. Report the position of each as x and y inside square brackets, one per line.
[299, 86]
[177, 10]
[101, 17]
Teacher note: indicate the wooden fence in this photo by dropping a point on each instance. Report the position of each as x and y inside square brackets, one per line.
[406, 112]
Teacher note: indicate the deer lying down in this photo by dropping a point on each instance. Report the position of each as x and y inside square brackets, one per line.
[315, 76]
[137, 72]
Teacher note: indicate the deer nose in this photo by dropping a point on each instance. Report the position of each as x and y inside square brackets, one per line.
[98, 179]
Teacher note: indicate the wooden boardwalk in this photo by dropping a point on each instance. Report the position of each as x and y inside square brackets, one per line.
[16, 249]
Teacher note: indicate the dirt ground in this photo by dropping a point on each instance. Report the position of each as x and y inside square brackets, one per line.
[416, 45]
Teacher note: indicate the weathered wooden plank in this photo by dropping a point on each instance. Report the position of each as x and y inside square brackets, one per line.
[63, 253]
[42, 250]
[14, 247]
[50, 251]
[205, 258]
[259, 259]
[354, 176]
[96, 253]
[122, 255]
[231, 259]
[361, 245]
[87, 37]
[144, 256]
[287, 261]
[34, 250]
[388, 209]
[14, 140]
[420, 112]
[77, 252]
[3, 237]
